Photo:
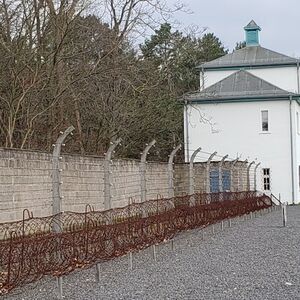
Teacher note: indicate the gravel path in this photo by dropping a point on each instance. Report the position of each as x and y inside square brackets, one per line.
[254, 259]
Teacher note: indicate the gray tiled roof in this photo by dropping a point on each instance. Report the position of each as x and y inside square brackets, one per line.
[250, 56]
[251, 25]
[241, 84]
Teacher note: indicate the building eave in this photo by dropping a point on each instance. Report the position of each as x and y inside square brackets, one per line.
[246, 67]
[242, 99]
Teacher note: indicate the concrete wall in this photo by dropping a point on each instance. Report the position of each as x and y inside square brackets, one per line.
[82, 182]
[26, 182]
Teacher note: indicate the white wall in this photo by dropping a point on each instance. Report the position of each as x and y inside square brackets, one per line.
[283, 77]
[237, 131]
[212, 77]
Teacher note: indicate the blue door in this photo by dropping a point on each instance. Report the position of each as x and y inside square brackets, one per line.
[226, 180]
[214, 180]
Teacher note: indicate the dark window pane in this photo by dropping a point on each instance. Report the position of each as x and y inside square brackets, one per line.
[265, 120]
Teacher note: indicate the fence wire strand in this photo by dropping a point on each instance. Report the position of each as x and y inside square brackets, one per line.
[59, 244]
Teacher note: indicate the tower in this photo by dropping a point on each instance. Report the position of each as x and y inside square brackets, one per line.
[252, 35]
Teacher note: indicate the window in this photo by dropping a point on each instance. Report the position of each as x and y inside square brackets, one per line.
[266, 179]
[264, 120]
[298, 125]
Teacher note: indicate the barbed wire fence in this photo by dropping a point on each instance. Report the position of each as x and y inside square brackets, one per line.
[89, 199]
[59, 244]
[49, 184]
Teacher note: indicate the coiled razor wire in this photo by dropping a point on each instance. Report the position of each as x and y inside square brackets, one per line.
[59, 244]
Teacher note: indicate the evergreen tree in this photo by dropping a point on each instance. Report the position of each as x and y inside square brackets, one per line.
[239, 45]
[176, 56]
[211, 47]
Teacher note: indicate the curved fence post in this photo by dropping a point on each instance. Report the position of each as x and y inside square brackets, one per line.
[241, 174]
[107, 172]
[248, 175]
[171, 171]
[56, 171]
[191, 172]
[255, 176]
[143, 170]
[221, 173]
[208, 171]
[233, 163]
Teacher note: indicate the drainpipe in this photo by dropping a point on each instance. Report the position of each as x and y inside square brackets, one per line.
[298, 83]
[201, 79]
[292, 151]
[187, 139]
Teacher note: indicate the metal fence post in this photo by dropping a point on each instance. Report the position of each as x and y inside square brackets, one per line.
[255, 176]
[98, 272]
[233, 163]
[248, 175]
[284, 214]
[220, 184]
[221, 173]
[279, 197]
[143, 170]
[60, 287]
[191, 172]
[171, 171]
[56, 176]
[240, 175]
[208, 172]
[107, 172]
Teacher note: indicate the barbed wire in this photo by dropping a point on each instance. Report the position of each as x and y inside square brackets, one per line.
[59, 244]
[80, 178]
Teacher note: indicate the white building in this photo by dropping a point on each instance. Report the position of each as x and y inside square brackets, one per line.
[251, 97]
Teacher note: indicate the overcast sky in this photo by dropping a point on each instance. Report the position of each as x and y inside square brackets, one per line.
[278, 19]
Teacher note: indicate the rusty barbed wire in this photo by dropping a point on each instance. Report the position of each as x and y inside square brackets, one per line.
[59, 244]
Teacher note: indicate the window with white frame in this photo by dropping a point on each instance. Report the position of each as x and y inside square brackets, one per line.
[298, 125]
[264, 120]
[266, 179]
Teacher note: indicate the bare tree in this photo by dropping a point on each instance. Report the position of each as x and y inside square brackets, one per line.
[131, 16]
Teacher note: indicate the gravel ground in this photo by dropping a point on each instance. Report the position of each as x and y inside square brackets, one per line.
[254, 259]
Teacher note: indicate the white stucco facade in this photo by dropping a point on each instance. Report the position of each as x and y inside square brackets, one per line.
[235, 130]
[239, 90]
[286, 77]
